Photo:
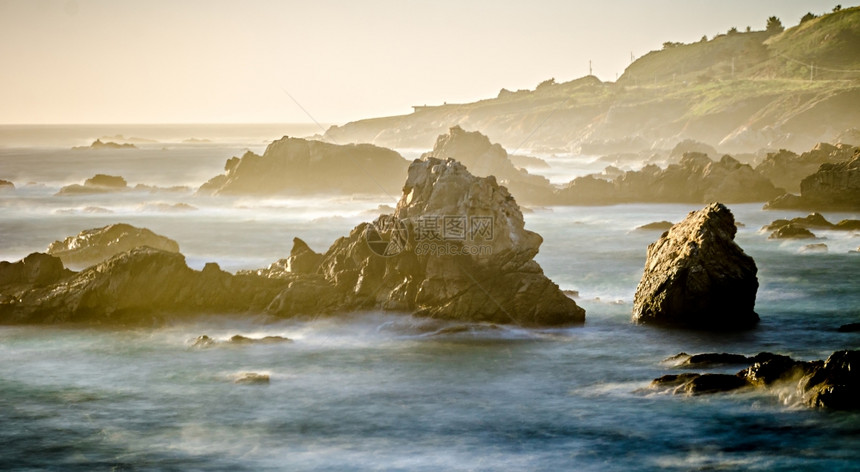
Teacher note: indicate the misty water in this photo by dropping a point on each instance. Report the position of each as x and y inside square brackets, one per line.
[383, 391]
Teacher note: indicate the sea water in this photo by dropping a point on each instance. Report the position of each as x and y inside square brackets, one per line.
[381, 391]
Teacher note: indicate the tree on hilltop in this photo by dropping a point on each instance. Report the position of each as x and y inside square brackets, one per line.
[774, 25]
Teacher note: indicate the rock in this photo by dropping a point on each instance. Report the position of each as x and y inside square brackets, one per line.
[6, 185]
[303, 260]
[203, 341]
[98, 144]
[786, 169]
[239, 339]
[812, 221]
[696, 179]
[810, 248]
[295, 166]
[691, 145]
[656, 226]
[163, 207]
[252, 378]
[706, 359]
[697, 276]
[455, 249]
[791, 231]
[832, 187]
[483, 158]
[849, 328]
[848, 225]
[835, 384]
[713, 383]
[99, 244]
[521, 161]
[99, 183]
[37, 269]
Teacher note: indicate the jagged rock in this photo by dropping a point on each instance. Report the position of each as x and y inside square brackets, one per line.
[99, 183]
[299, 166]
[832, 187]
[835, 384]
[786, 169]
[303, 260]
[791, 231]
[811, 221]
[810, 248]
[37, 269]
[483, 158]
[848, 225]
[656, 226]
[478, 269]
[695, 179]
[697, 276]
[96, 245]
[140, 286]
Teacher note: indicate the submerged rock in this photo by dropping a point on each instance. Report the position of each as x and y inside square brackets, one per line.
[204, 341]
[99, 244]
[697, 276]
[296, 166]
[811, 248]
[251, 378]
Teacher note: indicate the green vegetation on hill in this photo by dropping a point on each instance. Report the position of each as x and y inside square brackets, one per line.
[740, 91]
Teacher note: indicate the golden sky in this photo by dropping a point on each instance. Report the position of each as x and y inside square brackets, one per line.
[157, 61]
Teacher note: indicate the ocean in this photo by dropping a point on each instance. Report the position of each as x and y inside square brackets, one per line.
[383, 391]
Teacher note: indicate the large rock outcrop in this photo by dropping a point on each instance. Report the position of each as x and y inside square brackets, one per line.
[298, 166]
[99, 244]
[483, 158]
[455, 248]
[696, 179]
[832, 187]
[697, 276]
[99, 183]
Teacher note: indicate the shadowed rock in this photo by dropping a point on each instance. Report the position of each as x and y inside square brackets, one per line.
[96, 245]
[656, 226]
[697, 276]
[831, 187]
[99, 183]
[295, 166]
[791, 231]
[6, 185]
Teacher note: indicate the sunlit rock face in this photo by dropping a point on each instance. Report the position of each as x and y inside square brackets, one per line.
[697, 276]
[455, 248]
[96, 245]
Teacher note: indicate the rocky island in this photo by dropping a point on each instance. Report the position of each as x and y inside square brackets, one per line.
[455, 248]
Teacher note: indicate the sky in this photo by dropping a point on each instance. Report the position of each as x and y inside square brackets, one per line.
[258, 61]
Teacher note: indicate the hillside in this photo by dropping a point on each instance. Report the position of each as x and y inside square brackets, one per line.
[741, 91]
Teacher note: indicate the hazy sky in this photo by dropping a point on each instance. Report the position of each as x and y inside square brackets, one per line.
[92, 61]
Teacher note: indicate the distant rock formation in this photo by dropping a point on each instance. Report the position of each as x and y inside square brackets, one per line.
[832, 384]
[483, 158]
[786, 169]
[697, 179]
[99, 183]
[6, 185]
[96, 245]
[98, 144]
[691, 145]
[813, 221]
[454, 249]
[656, 226]
[36, 270]
[832, 187]
[295, 166]
[697, 276]
[792, 231]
